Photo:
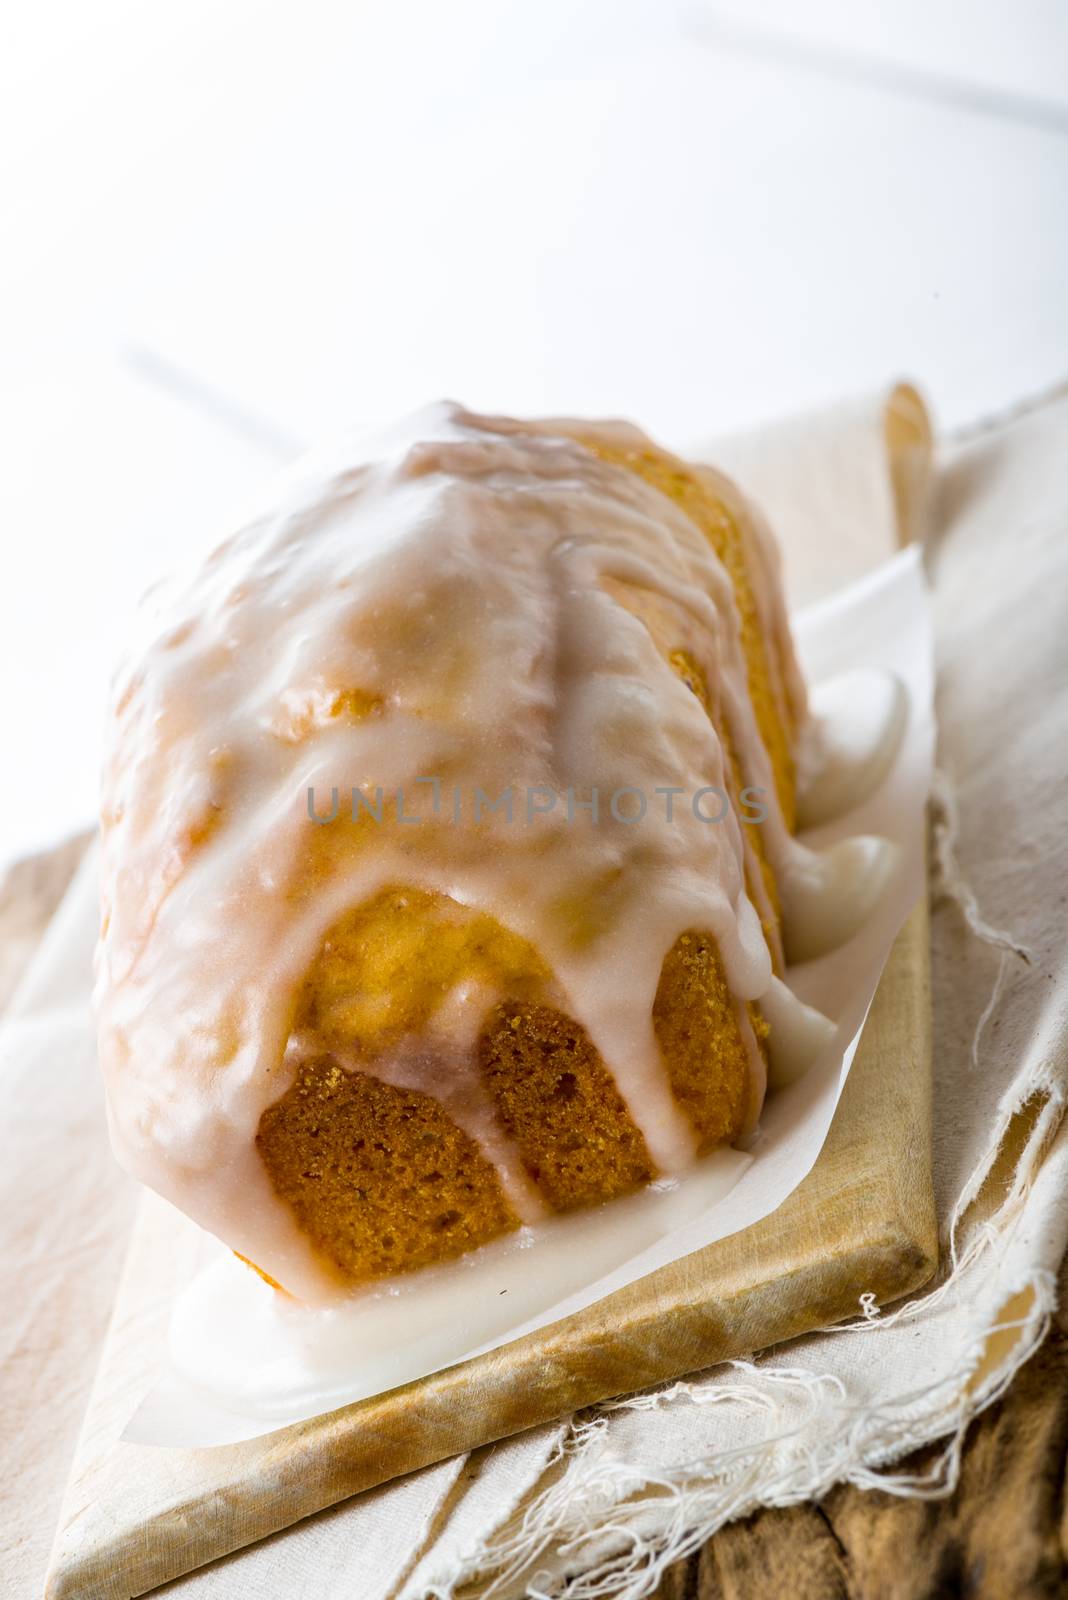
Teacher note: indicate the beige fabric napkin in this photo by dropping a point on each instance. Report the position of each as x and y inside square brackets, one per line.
[615, 1495]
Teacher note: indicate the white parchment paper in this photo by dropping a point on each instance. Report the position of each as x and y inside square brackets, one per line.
[243, 1361]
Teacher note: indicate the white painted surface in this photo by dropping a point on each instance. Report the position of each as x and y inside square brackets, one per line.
[700, 214]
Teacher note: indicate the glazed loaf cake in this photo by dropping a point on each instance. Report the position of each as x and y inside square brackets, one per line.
[445, 812]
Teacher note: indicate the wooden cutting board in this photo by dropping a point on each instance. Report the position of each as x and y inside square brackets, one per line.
[863, 1220]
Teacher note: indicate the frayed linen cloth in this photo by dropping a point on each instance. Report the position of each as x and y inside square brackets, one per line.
[601, 1504]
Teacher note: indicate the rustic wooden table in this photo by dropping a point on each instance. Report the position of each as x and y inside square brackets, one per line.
[1002, 1535]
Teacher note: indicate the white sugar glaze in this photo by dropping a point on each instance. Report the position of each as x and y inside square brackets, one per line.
[460, 572]
[264, 1355]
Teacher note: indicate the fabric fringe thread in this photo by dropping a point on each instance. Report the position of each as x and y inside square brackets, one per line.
[592, 1517]
[617, 1528]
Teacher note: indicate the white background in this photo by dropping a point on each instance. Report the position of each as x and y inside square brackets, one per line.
[230, 226]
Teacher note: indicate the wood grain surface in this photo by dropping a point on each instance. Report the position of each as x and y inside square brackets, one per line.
[1001, 1535]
